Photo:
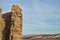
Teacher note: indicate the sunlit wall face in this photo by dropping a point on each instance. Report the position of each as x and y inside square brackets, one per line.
[39, 16]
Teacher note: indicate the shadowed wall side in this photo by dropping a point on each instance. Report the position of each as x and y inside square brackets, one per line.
[6, 31]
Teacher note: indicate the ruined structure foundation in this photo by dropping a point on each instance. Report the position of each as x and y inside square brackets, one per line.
[11, 24]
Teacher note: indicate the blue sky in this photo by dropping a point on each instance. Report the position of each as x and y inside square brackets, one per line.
[39, 16]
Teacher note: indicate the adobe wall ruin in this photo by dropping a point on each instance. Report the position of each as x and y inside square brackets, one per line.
[11, 24]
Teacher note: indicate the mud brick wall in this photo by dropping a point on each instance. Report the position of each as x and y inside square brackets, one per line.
[11, 24]
[2, 26]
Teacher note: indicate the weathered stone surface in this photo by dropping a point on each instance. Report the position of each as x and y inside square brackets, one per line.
[16, 31]
[2, 25]
[11, 24]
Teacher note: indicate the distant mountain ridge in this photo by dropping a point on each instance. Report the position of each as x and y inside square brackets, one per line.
[42, 36]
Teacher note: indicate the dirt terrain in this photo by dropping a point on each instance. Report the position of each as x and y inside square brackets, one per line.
[42, 37]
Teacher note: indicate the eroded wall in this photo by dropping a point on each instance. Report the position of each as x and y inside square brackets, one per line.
[11, 24]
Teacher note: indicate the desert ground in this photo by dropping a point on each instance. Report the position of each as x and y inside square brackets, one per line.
[42, 37]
